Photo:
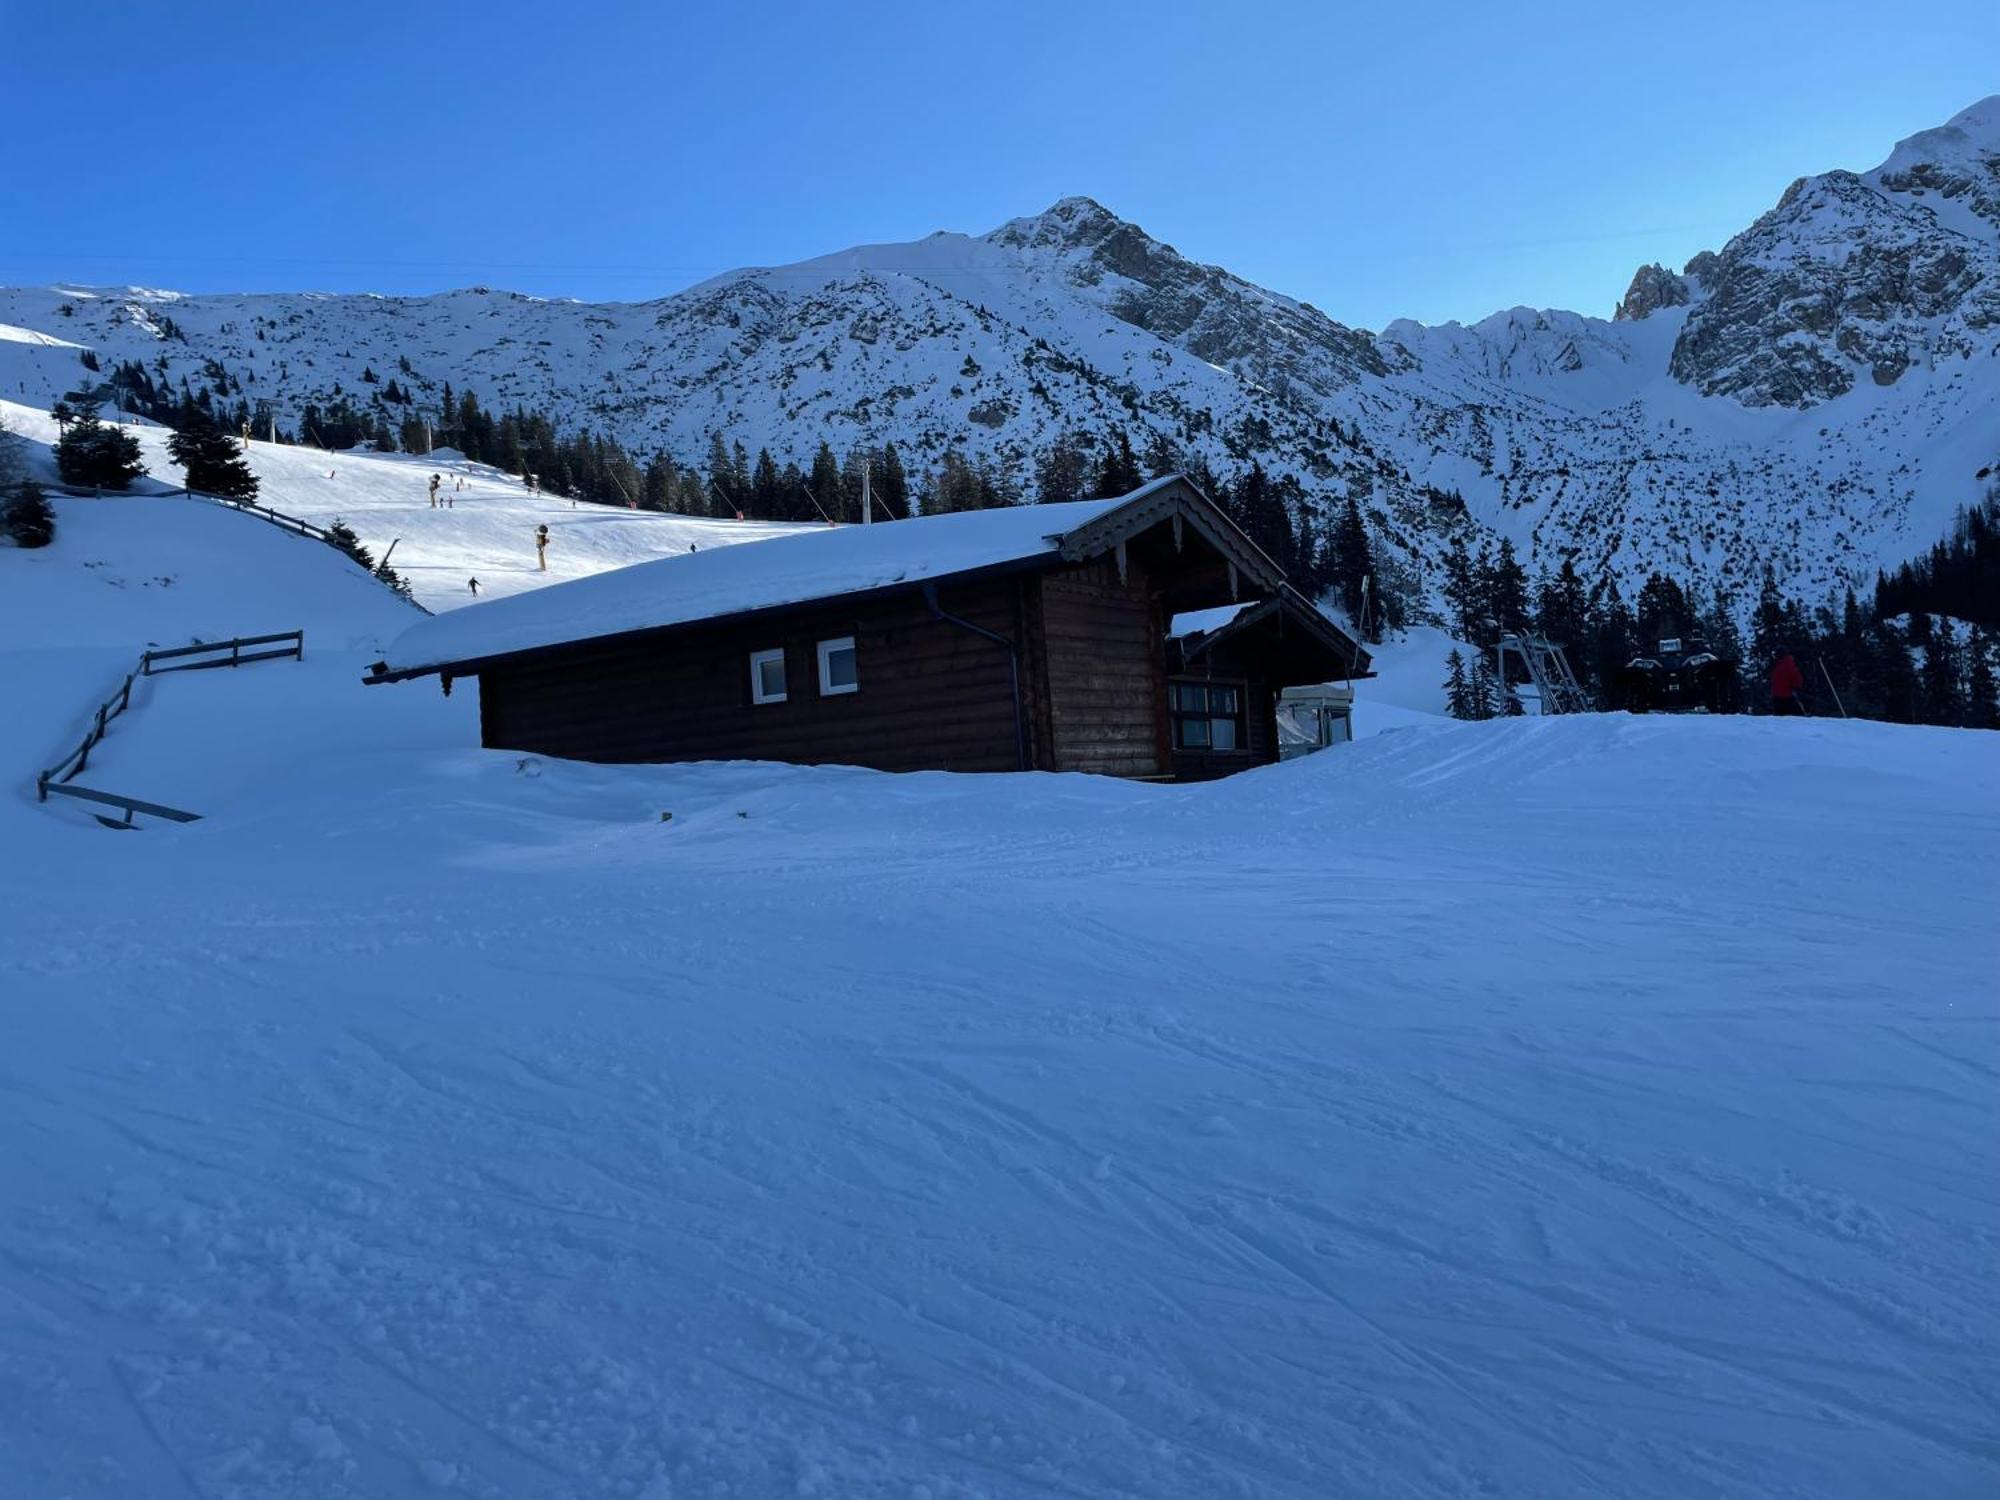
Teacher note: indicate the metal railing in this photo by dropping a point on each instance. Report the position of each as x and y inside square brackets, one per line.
[59, 779]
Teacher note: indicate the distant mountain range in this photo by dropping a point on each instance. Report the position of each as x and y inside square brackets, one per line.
[1821, 392]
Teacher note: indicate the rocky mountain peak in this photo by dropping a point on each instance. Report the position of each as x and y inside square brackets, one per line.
[1857, 274]
[1068, 222]
[1653, 287]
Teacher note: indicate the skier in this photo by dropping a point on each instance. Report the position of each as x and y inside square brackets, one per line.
[436, 480]
[542, 547]
[1786, 680]
[474, 582]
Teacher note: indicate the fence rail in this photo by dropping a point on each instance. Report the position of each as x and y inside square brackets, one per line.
[235, 658]
[132, 805]
[59, 778]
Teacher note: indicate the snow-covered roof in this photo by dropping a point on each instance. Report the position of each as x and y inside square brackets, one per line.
[1202, 621]
[737, 580]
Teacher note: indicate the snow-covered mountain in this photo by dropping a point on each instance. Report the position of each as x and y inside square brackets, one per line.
[1822, 392]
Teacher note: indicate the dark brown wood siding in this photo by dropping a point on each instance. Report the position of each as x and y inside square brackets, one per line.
[1101, 643]
[931, 695]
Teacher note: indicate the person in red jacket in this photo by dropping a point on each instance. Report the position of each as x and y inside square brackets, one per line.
[1786, 680]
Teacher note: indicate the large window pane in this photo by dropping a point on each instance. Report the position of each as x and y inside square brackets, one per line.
[1222, 734]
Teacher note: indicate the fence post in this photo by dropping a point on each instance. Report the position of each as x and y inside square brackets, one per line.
[125, 701]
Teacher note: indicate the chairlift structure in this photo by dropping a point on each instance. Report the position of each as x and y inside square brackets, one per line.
[1541, 663]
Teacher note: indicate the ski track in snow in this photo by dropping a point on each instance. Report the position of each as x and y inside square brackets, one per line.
[1470, 1111]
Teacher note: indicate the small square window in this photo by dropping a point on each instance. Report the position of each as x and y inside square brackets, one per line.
[837, 672]
[767, 676]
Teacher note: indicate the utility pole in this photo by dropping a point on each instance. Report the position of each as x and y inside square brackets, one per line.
[867, 497]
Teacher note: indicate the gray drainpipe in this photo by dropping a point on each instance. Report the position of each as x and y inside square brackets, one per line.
[1013, 666]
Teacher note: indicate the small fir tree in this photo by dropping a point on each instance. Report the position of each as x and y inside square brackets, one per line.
[28, 520]
[1982, 694]
[213, 461]
[96, 455]
[1507, 591]
[1457, 690]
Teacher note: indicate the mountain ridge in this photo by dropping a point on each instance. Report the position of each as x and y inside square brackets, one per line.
[1818, 394]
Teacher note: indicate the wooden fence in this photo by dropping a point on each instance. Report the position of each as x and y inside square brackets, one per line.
[59, 779]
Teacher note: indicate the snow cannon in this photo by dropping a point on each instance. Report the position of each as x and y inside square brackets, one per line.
[1681, 677]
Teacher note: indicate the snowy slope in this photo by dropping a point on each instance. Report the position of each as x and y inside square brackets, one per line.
[488, 533]
[1552, 1107]
[126, 574]
[1560, 1108]
[1822, 392]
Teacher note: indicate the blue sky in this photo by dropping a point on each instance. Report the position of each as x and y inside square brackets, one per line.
[1435, 160]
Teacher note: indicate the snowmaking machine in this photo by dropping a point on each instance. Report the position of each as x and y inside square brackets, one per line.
[1681, 677]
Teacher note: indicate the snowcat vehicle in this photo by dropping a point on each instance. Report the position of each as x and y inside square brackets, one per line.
[1681, 677]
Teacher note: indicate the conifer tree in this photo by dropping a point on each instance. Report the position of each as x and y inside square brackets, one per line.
[213, 461]
[767, 498]
[1507, 591]
[722, 477]
[1255, 506]
[1942, 682]
[340, 534]
[94, 454]
[892, 485]
[1457, 691]
[1562, 611]
[27, 519]
[658, 490]
[1060, 471]
[1982, 709]
[827, 486]
[1350, 564]
[1118, 470]
[1482, 689]
[1461, 592]
[1610, 643]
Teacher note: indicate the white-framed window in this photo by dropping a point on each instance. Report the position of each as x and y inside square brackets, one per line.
[837, 672]
[767, 675]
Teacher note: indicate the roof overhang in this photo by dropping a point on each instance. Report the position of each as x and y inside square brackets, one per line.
[1290, 610]
[1176, 501]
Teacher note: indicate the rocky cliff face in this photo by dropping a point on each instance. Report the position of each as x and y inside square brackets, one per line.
[1670, 436]
[1653, 287]
[1857, 277]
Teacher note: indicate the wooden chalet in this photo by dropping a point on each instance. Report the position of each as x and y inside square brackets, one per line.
[1145, 636]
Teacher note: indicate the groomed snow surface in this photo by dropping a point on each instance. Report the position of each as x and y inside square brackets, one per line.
[1584, 1107]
